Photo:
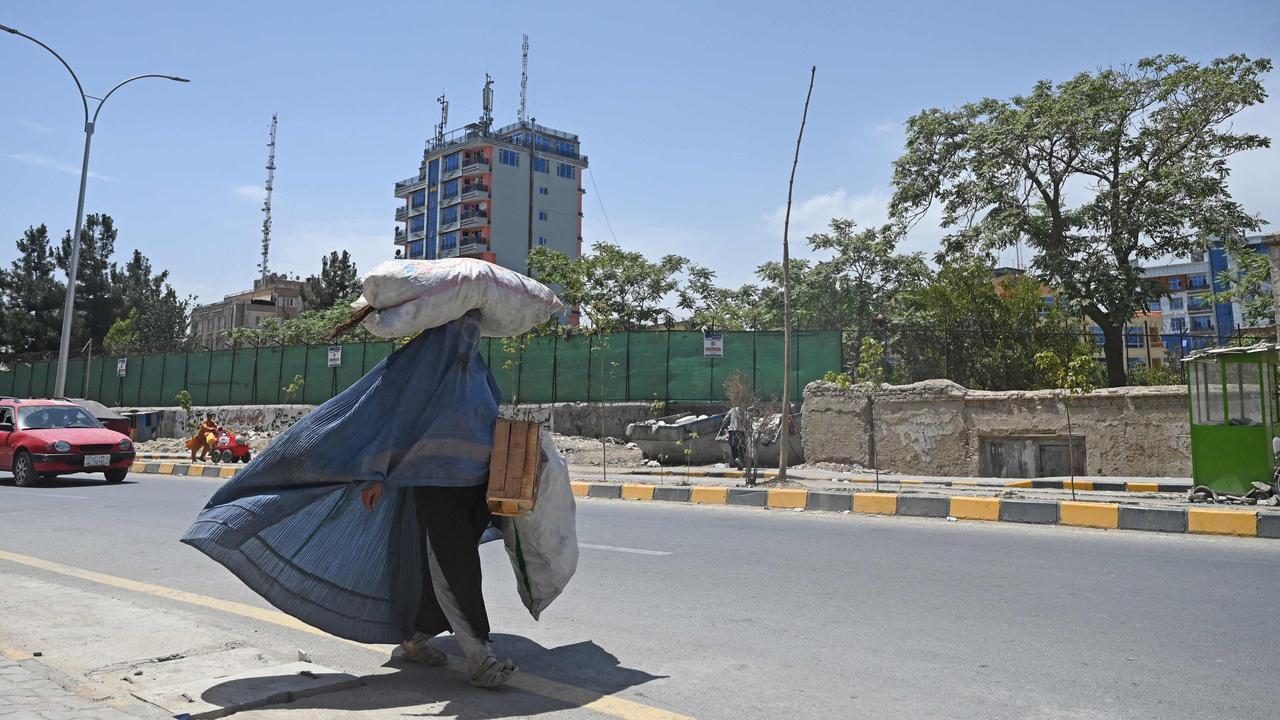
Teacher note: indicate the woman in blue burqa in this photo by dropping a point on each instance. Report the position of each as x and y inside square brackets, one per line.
[364, 518]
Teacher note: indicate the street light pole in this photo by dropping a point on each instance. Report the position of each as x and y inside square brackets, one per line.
[68, 310]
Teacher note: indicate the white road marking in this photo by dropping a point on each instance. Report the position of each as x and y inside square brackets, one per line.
[51, 495]
[633, 551]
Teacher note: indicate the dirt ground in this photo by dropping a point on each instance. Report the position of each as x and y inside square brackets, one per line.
[589, 451]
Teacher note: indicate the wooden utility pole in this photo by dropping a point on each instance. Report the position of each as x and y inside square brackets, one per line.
[784, 428]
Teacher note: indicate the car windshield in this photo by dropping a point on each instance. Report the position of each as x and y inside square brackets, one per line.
[49, 417]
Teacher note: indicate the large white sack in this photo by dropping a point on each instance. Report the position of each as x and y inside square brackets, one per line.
[543, 545]
[410, 296]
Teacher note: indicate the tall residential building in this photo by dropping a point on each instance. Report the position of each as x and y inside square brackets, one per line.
[495, 195]
[275, 297]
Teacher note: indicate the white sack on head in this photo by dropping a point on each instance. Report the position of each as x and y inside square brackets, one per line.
[410, 296]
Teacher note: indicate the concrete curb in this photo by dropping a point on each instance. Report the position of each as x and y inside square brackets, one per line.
[1065, 513]
[1093, 485]
[1199, 520]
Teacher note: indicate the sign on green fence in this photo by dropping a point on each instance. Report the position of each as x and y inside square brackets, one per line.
[641, 366]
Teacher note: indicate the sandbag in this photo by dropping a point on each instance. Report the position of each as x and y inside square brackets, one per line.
[543, 545]
[410, 296]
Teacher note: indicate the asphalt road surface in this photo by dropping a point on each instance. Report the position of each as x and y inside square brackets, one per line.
[721, 612]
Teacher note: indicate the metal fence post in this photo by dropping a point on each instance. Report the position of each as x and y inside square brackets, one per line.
[555, 367]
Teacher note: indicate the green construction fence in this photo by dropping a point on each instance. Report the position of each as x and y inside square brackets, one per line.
[640, 366]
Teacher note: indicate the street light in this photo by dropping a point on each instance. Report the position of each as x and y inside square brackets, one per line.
[64, 346]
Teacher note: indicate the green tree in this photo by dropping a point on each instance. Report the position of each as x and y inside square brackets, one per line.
[962, 326]
[1249, 284]
[311, 326]
[31, 297]
[860, 280]
[615, 289]
[338, 282]
[98, 301]
[156, 315]
[711, 307]
[1096, 175]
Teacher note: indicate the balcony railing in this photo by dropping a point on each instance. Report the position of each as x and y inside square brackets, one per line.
[474, 162]
[402, 212]
[410, 182]
[453, 199]
[473, 248]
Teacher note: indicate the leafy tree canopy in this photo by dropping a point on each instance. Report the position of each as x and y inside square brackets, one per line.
[1096, 174]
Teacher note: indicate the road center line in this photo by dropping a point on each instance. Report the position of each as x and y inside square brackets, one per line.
[573, 695]
[633, 551]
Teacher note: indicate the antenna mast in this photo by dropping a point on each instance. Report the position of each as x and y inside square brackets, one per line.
[524, 77]
[266, 204]
[486, 118]
[444, 119]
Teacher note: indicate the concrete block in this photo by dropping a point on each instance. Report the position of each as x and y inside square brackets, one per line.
[874, 503]
[1109, 485]
[829, 501]
[787, 499]
[604, 490]
[1044, 512]
[671, 493]
[219, 697]
[1269, 525]
[1088, 514]
[1172, 520]
[708, 494]
[748, 496]
[923, 506]
[1222, 522]
[580, 488]
[975, 508]
[632, 491]
[211, 471]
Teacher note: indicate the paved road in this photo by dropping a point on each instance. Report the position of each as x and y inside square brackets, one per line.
[741, 613]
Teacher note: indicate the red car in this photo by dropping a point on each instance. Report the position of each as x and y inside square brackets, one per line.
[42, 439]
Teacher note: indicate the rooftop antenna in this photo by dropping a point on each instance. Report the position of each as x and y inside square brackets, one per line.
[524, 77]
[266, 204]
[486, 118]
[444, 119]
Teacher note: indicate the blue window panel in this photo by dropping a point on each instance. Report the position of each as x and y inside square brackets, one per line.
[416, 224]
[1153, 306]
[433, 172]
[1198, 282]
[416, 200]
[415, 249]
[451, 162]
[543, 191]
[1175, 283]
[450, 189]
[542, 214]
[566, 171]
[509, 157]
[541, 165]
[1201, 323]
[565, 148]
[542, 240]
[1134, 338]
[1176, 303]
[449, 240]
[449, 215]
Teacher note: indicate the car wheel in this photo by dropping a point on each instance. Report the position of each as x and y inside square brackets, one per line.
[115, 475]
[245, 459]
[24, 473]
[228, 456]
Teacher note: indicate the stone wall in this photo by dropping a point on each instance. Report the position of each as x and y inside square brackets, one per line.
[176, 423]
[937, 427]
[582, 419]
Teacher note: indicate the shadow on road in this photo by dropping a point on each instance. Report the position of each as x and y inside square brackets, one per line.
[64, 483]
[591, 671]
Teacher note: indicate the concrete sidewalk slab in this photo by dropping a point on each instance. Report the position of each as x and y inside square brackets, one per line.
[223, 696]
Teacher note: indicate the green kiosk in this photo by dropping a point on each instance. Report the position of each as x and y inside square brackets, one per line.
[1235, 416]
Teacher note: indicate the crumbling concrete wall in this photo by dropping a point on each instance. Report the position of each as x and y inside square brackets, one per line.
[937, 427]
[176, 422]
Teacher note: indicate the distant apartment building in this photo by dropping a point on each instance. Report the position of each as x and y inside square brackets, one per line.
[275, 298]
[495, 195]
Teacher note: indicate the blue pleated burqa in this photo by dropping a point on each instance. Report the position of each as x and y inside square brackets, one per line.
[291, 526]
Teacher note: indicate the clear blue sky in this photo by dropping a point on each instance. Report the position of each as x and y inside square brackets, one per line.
[688, 110]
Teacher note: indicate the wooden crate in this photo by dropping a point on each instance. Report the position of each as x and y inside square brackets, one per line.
[513, 467]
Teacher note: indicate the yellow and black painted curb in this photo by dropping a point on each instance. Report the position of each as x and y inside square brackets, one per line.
[1113, 516]
[1034, 484]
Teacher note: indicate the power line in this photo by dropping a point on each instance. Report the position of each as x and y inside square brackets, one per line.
[600, 200]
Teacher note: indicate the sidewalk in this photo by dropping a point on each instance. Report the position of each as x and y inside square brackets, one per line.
[30, 689]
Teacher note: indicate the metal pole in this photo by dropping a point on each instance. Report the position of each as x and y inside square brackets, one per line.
[64, 346]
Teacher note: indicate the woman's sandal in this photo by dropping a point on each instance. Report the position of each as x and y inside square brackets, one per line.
[493, 673]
